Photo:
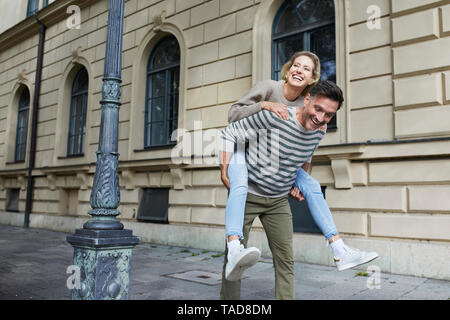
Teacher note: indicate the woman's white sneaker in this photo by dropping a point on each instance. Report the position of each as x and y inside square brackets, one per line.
[353, 257]
[240, 259]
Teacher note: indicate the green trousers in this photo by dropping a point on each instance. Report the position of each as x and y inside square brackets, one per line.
[276, 217]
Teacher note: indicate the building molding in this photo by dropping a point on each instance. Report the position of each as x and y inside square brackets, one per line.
[22, 182]
[406, 149]
[342, 173]
[180, 177]
[343, 134]
[51, 180]
[128, 177]
[84, 180]
[262, 39]
[51, 14]
[159, 20]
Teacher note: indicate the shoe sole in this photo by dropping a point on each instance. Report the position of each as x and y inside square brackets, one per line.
[250, 259]
[354, 264]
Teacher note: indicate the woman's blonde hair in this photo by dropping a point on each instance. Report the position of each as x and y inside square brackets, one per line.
[316, 70]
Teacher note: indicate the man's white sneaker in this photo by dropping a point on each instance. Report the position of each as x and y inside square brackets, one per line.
[354, 257]
[240, 259]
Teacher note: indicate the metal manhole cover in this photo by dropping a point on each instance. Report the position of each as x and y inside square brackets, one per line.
[199, 276]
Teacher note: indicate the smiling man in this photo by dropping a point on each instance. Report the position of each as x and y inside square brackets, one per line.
[292, 141]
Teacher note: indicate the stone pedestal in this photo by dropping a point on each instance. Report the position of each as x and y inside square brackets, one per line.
[104, 260]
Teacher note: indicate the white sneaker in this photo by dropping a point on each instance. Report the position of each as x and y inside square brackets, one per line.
[354, 257]
[240, 259]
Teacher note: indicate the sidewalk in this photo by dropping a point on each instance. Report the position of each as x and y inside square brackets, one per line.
[33, 264]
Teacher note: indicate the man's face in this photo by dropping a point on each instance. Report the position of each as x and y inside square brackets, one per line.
[317, 111]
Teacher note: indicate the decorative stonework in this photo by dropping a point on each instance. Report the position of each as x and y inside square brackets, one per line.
[76, 54]
[22, 76]
[177, 178]
[83, 179]
[128, 179]
[22, 182]
[51, 179]
[159, 20]
[180, 178]
[342, 173]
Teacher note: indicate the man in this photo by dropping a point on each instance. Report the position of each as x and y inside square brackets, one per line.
[269, 185]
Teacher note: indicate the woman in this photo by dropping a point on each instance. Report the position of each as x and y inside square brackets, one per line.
[299, 75]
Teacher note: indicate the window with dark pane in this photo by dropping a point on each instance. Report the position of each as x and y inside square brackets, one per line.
[12, 200]
[154, 205]
[78, 109]
[302, 219]
[163, 82]
[22, 126]
[305, 25]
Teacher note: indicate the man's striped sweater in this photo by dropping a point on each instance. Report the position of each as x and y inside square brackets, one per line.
[277, 149]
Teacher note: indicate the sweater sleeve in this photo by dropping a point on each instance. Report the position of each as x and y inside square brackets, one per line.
[250, 103]
[246, 129]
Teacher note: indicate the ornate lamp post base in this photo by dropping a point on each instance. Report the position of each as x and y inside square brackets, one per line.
[104, 260]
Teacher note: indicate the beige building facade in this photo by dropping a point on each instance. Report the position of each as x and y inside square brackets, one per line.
[386, 167]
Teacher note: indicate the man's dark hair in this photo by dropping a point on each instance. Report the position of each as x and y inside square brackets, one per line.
[328, 89]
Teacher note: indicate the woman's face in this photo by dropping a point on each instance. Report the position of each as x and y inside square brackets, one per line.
[300, 74]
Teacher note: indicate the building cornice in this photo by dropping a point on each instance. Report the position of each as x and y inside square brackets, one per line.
[375, 150]
[51, 14]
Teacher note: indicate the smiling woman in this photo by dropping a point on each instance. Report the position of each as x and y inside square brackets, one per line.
[266, 95]
[300, 74]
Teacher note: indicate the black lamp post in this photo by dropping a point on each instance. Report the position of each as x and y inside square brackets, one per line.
[102, 249]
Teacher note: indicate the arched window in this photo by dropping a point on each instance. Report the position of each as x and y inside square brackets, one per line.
[163, 81]
[78, 106]
[22, 126]
[305, 25]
